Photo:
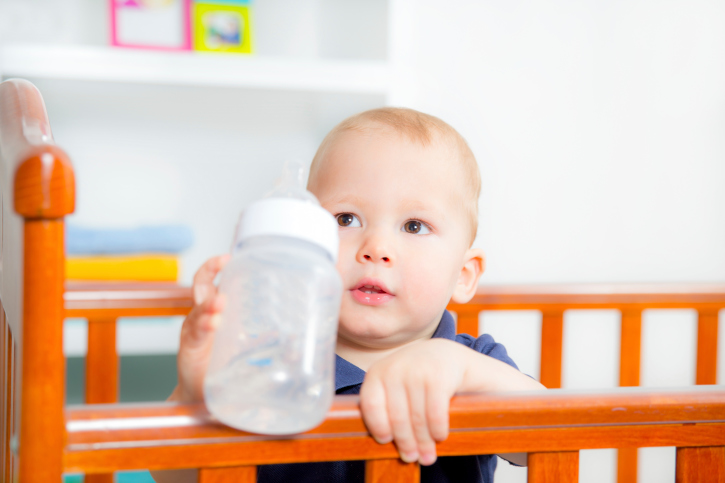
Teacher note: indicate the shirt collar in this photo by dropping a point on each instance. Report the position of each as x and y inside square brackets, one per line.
[348, 374]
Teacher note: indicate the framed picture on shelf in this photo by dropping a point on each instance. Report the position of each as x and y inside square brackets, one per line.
[151, 24]
[222, 26]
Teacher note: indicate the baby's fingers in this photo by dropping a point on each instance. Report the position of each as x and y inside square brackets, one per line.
[201, 322]
[420, 425]
[437, 411]
[400, 423]
[203, 285]
[374, 408]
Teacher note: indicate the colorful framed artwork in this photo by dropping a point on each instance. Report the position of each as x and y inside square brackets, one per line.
[151, 24]
[222, 26]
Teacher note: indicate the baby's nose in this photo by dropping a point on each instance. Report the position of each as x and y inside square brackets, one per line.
[371, 258]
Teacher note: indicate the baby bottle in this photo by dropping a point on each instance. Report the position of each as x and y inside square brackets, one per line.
[271, 369]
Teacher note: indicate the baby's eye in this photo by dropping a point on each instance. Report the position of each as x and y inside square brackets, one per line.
[416, 227]
[348, 220]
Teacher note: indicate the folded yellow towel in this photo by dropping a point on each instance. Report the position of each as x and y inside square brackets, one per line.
[156, 268]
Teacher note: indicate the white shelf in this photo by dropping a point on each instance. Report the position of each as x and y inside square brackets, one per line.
[108, 64]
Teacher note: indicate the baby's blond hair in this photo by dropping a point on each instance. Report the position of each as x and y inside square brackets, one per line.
[419, 128]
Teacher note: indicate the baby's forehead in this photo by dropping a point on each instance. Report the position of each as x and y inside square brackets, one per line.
[439, 151]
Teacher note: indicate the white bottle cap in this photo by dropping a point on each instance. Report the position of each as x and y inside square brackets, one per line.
[290, 210]
[290, 217]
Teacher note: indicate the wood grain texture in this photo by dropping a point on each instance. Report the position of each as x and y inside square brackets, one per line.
[43, 364]
[237, 474]
[392, 470]
[627, 465]
[104, 437]
[552, 337]
[101, 361]
[707, 338]
[560, 467]
[700, 465]
[44, 182]
[197, 453]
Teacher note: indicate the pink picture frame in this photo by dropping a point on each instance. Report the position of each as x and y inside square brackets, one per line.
[136, 24]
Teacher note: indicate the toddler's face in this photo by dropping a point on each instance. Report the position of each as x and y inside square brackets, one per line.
[403, 233]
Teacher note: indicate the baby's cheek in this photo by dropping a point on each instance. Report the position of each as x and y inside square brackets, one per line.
[429, 285]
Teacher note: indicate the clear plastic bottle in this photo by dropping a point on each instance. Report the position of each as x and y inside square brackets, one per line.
[272, 365]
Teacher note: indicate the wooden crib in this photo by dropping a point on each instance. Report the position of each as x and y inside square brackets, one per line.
[41, 439]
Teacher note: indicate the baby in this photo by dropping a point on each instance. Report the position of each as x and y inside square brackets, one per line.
[403, 187]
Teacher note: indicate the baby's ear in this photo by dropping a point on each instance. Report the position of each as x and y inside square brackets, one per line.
[473, 266]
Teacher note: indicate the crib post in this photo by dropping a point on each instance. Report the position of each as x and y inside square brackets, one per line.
[391, 471]
[43, 192]
[700, 465]
[560, 467]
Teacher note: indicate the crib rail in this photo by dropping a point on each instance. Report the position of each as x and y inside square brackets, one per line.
[551, 426]
[630, 299]
[101, 303]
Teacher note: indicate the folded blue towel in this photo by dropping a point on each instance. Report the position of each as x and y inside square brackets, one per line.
[110, 241]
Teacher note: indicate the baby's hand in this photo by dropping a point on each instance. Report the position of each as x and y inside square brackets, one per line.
[405, 397]
[197, 332]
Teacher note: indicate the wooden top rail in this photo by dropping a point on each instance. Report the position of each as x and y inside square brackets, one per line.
[596, 296]
[83, 299]
[44, 184]
[166, 436]
[88, 299]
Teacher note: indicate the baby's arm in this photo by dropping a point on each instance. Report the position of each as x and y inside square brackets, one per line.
[197, 336]
[405, 397]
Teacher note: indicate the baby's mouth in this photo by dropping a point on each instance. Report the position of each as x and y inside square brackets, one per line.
[371, 292]
[371, 289]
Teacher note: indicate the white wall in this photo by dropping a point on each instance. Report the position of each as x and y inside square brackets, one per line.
[599, 127]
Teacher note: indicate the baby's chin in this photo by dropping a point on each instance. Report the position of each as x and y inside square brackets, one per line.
[376, 330]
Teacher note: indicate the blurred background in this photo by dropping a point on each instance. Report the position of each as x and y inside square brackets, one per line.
[598, 125]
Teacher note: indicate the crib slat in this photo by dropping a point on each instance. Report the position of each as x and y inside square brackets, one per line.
[237, 474]
[700, 465]
[467, 323]
[101, 361]
[552, 327]
[706, 347]
[629, 372]
[101, 372]
[630, 348]
[560, 467]
[391, 471]
[627, 465]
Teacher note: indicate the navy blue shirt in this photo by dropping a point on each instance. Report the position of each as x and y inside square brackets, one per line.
[453, 469]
